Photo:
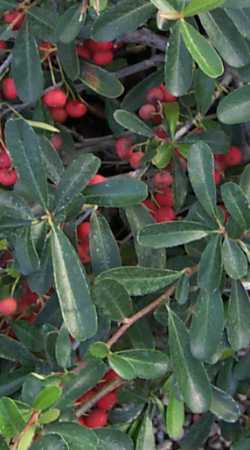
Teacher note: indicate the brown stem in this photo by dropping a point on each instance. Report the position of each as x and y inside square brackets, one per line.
[95, 398]
[32, 420]
[146, 37]
[139, 67]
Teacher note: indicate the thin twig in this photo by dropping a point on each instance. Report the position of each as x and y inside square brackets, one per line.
[6, 63]
[32, 420]
[146, 37]
[96, 397]
[139, 67]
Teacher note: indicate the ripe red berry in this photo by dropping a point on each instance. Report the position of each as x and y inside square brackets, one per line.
[168, 97]
[150, 206]
[155, 95]
[160, 133]
[59, 114]
[56, 141]
[147, 111]
[83, 231]
[83, 252]
[96, 46]
[111, 375]
[101, 58]
[83, 52]
[108, 401]
[5, 160]
[3, 45]
[220, 162]
[8, 177]
[217, 177]
[76, 109]
[14, 18]
[122, 147]
[135, 159]
[97, 418]
[162, 179]
[165, 214]
[97, 179]
[45, 46]
[85, 397]
[9, 89]
[8, 306]
[165, 198]
[233, 157]
[55, 98]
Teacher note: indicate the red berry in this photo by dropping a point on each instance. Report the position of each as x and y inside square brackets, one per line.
[160, 133]
[14, 16]
[5, 160]
[165, 198]
[135, 159]
[76, 109]
[3, 45]
[217, 177]
[83, 252]
[168, 97]
[8, 306]
[102, 58]
[233, 156]
[9, 89]
[55, 98]
[56, 141]
[45, 46]
[83, 231]
[122, 147]
[97, 179]
[85, 397]
[81, 421]
[163, 179]
[150, 206]
[8, 177]
[147, 111]
[111, 375]
[59, 114]
[108, 401]
[83, 52]
[154, 95]
[165, 214]
[99, 46]
[97, 418]
[220, 162]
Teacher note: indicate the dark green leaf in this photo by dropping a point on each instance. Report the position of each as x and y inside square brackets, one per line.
[245, 181]
[145, 439]
[51, 160]
[28, 334]
[215, 138]
[180, 185]
[238, 317]
[224, 406]
[236, 5]
[240, 18]
[13, 350]
[24, 146]
[69, 24]
[63, 348]
[26, 253]
[123, 18]
[172, 115]
[12, 381]
[72, 288]
[200, 170]
[189, 372]
[182, 289]
[113, 298]
[101, 81]
[14, 208]
[141, 280]
[144, 363]
[50, 442]
[234, 260]
[197, 433]
[210, 267]
[236, 203]
[26, 66]
[69, 60]
[210, 313]
[132, 123]
[243, 444]
[235, 107]
[204, 89]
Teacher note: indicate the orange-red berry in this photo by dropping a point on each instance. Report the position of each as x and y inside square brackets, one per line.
[55, 98]
[9, 89]
[5, 160]
[96, 179]
[83, 231]
[56, 141]
[14, 18]
[135, 159]
[8, 306]
[101, 58]
[162, 179]
[165, 198]
[59, 114]
[147, 111]
[165, 214]
[233, 157]
[76, 109]
[97, 418]
[155, 95]
[108, 401]
[8, 177]
[122, 147]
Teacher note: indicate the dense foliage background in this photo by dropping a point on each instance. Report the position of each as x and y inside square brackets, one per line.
[124, 224]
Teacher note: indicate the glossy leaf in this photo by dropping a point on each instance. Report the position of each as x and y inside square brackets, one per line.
[189, 372]
[117, 192]
[15, 209]
[224, 406]
[75, 179]
[210, 313]
[11, 421]
[26, 253]
[113, 298]
[26, 67]
[215, 138]
[69, 60]
[182, 289]
[236, 203]
[238, 317]
[172, 234]
[13, 350]
[141, 280]
[50, 442]
[202, 52]
[143, 363]
[240, 18]
[100, 80]
[197, 433]
[200, 170]
[211, 267]
[69, 24]
[28, 334]
[122, 18]
[236, 5]
[175, 417]
[234, 260]
[203, 91]
[24, 146]
[145, 439]
[51, 160]
[196, 7]
[235, 107]
[47, 397]
[104, 250]
[132, 123]
[72, 288]
[11, 382]
[63, 348]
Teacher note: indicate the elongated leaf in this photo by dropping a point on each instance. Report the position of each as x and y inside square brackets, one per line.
[245, 181]
[26, 66]
[240, 18]
[51, 160]
[122, 18]
[26, 253]
[14, 206]
[75, 179]
[203, 91]
[210, 313]
[117, 192]
[182, 289]
[197, 433]
[11, 421]
[172, 234]
[69, 24]
[204, 55]
[132, 123]
[145, 439]
[28, 334]
[224, 406]
[144, 363]
[72, 288]
[63, 348]
[104, 250]
[13, 350]
[24, 146]
[113, 298]
[196, 7]
[236, 5]
[11, 382]
[210, 268]
[234, 260]
[189, 372]
[141, 280]
[226, 38]
[238, 317]
[69, 60]
[101, 81]
[175, 417]
[235, 107]
[47, 397]
[215, 138]
[200, 170]
[236, 203]
[178, 64]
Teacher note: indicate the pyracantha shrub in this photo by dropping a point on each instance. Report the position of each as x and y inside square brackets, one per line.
[124, 224]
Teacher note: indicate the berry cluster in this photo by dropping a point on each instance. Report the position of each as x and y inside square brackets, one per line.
[98, 416]
[232, 158]
[14, 18]
[161, 206]
[8, 175]
[61, 108]
[100, 52]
